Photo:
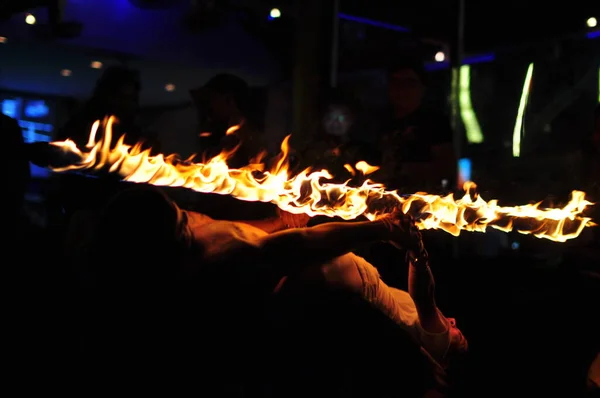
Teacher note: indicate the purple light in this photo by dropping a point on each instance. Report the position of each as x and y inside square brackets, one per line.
[593, 35]
[371, 22]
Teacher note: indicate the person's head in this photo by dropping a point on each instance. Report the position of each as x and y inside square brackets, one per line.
[406, 84]
[141, 240]
[338, 113]
[222, 99]
[117, 91]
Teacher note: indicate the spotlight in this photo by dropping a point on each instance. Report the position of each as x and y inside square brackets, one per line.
[30, 19]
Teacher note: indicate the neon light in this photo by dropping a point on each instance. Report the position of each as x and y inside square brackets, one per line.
[372, 22]
[467, 114]
[593, 35]
[476, 59]
[464, 171]
[517, 132]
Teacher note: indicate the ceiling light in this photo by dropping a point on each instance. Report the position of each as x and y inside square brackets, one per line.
[3, 39]
[30, 19]
[170, 87]
[66, 72]
[275, 13]
[96, 65]
[440, 56]
[592, 22]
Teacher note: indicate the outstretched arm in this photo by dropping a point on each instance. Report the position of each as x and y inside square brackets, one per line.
[291, 249]
[421, 285]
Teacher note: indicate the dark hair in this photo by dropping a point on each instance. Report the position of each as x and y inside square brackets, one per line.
[404, 63]
[336, 96]
[138, 238]
[115, 77]
[225, 83]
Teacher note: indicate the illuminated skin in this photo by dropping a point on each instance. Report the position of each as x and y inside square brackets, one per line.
[323, 253]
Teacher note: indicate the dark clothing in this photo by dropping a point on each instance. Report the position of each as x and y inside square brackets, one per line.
[225, 207]
[79, 193]
[332, 154]
[247, 137]
[14, 160]
[410, 140]
[78, 130]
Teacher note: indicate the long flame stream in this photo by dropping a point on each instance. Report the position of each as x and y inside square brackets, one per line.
[314, 193]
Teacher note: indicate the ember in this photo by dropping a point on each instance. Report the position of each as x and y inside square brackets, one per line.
[313, 193]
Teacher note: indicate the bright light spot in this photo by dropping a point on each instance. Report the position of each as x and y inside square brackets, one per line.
[30, 19]
[170, 87]
[66, 72]
[3, 39]
[592, 22]
[96, 65]
[275, 13]
[440, 56]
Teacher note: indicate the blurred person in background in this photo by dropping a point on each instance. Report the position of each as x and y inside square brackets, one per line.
[417, 142]
[17, 174]
[335, 145]
[591, 167]
[223, 112]
[117, 93]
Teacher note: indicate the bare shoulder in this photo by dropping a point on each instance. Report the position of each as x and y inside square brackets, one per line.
[224, 238]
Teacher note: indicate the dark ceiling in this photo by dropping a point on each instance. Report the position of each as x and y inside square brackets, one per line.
[489, 25]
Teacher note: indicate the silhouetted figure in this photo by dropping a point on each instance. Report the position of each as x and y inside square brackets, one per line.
[591, 167]
[417, 142]
[335, 144]
[223, 103]
[116, 94]
[146, 244]
[15, 165]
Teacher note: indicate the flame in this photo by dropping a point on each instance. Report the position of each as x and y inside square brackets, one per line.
[313, 193]
[233, 129]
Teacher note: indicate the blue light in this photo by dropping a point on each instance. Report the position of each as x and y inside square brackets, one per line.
[371, 22]
[478, 59]
[36, 109]
[464, 171]
[11, 108]
[514, 245]
[593, 35]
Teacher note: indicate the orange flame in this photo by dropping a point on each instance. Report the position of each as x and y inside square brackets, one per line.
[313, 193]
[233, 129]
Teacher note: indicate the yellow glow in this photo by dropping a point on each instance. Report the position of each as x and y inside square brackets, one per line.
[30, 19]
[314, 192]
[275, 13]
[467, 114]
[518, 131]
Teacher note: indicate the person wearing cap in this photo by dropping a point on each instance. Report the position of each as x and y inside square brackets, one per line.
[417, 142]
[223, 112]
